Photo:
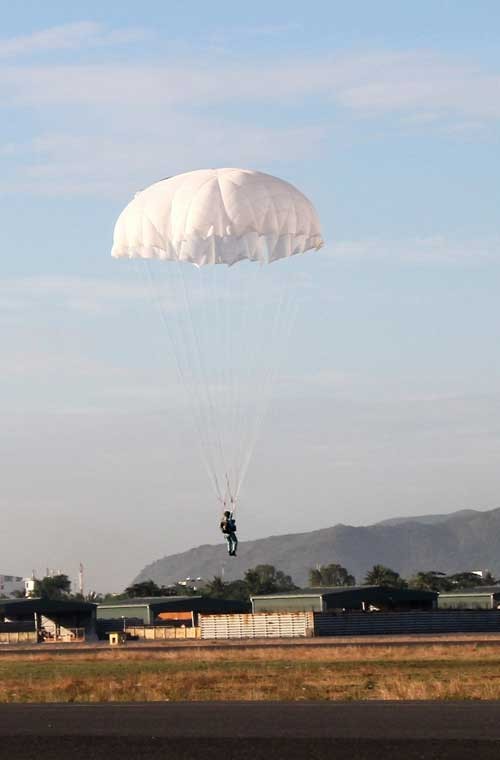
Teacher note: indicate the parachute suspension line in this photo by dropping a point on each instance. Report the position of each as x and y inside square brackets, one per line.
[236, 312]
[212, 322]
[180, 346]
[257, 361]
[227, 374]
[200, 362]
[229, 499]
[197, 362]
[225, 363]
[277, 338]
[220, 311]
[249, 405]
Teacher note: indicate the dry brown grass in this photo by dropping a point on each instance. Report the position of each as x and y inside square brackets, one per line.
[438, 671]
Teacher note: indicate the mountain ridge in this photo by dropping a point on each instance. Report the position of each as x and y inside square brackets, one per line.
[467, 539]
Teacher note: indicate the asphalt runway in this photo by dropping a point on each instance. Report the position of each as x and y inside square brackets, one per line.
[252, 731]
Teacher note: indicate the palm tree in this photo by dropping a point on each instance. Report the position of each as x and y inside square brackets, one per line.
[216, 588]
[430, 581]
[331, 575]
[380, 575]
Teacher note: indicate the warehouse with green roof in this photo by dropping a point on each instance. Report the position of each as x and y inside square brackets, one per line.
[479, 598]
[164, 610]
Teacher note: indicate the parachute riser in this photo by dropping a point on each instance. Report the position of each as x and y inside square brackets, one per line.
[229, 499]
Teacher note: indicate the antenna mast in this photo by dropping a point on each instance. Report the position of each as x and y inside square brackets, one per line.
[80, 579]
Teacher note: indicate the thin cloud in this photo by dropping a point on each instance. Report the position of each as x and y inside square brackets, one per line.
[34, 363]
[89, 295]
[418, 83]
[148, 115]
[67, 37]
[436, 248]
[57, 164]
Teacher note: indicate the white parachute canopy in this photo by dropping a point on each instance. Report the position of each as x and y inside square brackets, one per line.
[228, 326]
[217, 216]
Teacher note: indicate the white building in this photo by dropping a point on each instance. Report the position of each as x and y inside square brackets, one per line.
[29, 586]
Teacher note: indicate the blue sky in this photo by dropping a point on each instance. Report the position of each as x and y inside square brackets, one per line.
[387, 116]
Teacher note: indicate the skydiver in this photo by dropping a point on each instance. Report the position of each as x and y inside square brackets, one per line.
[228, 528]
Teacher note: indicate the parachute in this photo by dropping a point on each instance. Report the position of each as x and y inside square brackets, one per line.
[204, 239]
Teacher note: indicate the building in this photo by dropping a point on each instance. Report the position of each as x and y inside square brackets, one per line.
[163, 610]
[52, 619]
[345, 598]
[29, 586]
[480, 598]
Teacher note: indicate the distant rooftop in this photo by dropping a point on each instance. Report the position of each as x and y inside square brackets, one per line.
[141, 600]
[350, 590]
[38, 604]
[475, 590]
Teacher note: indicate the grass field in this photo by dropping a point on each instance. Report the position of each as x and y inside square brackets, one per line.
[468, 671]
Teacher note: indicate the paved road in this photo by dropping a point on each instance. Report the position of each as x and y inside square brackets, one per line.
[252, 731]
[322, 642]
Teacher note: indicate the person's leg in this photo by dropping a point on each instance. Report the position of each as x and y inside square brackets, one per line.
[235, 543]
[227, 536]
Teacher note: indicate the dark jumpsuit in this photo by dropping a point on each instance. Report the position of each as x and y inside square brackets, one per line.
[228, 528]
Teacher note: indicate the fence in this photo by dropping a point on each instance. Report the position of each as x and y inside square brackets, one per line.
[260, 625]
[425, 621]
[62, 634]
[161, 632]
[18, 637]
[18, 632]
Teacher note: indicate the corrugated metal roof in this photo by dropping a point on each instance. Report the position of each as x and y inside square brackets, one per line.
[358, 592]
[183, 603]
[141, 600]
[32, 605]
[475, 591]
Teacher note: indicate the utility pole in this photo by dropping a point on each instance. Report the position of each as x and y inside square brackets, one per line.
[80, 579]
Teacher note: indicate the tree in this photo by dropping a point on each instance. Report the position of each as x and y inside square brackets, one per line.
[380, 575]
[470, 580]
[238, 590]
[216, 588]
[53, 587]
[331, 575]
[488, 579]
[181, 589]
[148, 588]
[437, 581]
[91, 596]
[430, 581]
[265, 579]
